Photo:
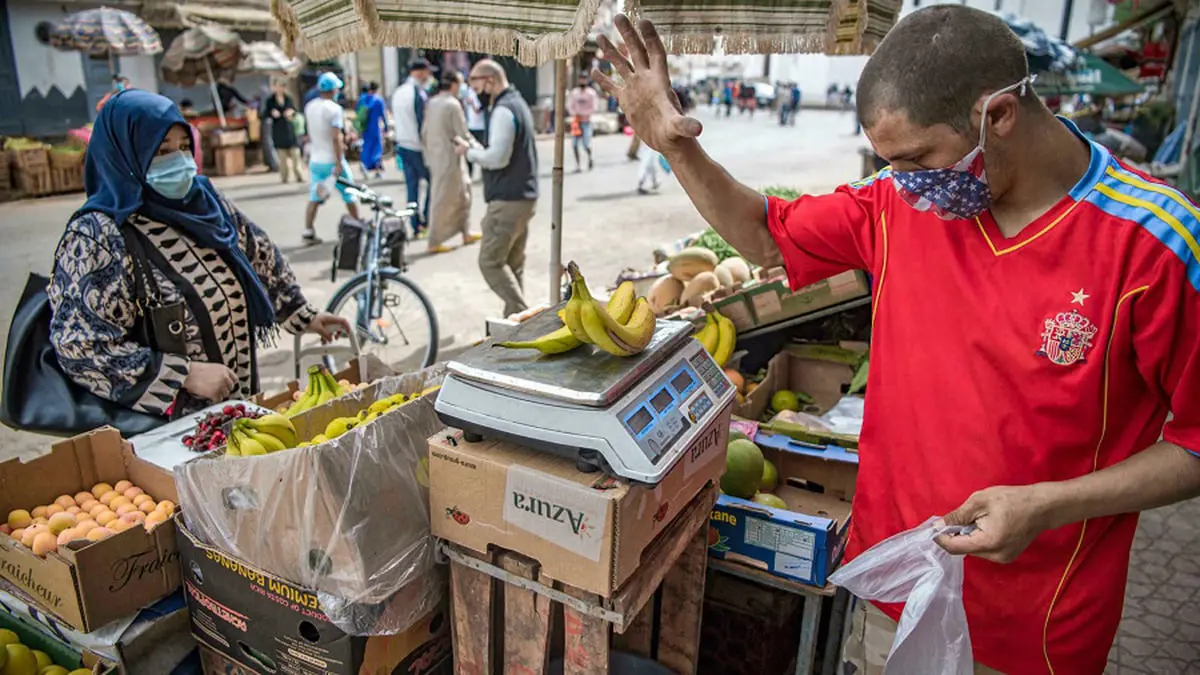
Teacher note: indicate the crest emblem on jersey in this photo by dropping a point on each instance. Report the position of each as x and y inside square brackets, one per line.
[1067, 338]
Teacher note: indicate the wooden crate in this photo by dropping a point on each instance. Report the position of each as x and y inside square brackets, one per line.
[35, 182]
[30, 159]
[505, 611]
[230, 161]
[65, 160]
[67, 179]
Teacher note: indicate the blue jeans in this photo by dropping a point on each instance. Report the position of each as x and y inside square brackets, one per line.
[412, 162]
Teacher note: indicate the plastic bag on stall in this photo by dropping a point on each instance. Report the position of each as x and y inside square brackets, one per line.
[348, 518]
[911, 569]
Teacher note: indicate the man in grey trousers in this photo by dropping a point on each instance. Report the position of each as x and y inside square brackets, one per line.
[510, 183]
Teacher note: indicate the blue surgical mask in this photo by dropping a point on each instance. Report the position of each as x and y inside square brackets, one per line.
[172, 175]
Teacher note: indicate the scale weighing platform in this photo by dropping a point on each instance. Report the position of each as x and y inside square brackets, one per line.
[631, 417]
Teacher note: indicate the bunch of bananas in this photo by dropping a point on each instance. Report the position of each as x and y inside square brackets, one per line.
[622, 328]
[718, 336]
[259, 436]
[322, 388]
[341, 425]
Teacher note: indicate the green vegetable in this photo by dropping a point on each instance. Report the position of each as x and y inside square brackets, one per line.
[782, 192]
[859, 382]
[712, 241]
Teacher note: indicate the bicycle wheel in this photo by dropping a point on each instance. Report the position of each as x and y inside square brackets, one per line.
[400, 325]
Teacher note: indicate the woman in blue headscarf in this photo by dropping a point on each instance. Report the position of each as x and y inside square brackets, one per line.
[208, 264]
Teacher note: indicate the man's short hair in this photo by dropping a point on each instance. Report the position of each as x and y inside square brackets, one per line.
[449, 79]
[489, 68]
[937, 62]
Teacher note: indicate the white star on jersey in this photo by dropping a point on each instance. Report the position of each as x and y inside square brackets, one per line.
[1077, 297]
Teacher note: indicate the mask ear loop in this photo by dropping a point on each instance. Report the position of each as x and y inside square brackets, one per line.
[1025, 82]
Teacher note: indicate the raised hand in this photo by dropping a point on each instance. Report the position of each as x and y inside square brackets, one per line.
[645, 92]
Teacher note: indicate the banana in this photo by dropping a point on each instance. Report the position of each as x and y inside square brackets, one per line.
[340, 426]
[275, 425]
[327, 394]
[727, 340]
[232, 447]
[249, 446]
[557, 342]
[620, 305]
[267, 441]
[309, 398]
[613, 337]
[573, 320]
[708, 336]
[331, 384]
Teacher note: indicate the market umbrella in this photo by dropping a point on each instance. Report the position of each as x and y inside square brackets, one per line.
[1045, 54]
[1093, 75]
[202, 54]
[769, 26]
[105, 32]
[267, 58]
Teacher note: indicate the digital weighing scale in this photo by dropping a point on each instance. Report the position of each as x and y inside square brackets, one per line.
[631, 417]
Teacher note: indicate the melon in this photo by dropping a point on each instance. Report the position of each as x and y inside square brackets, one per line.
[689, 262]
[738, 268]
[743, 469]
[664, 294]
[767, 499]
[700, 286]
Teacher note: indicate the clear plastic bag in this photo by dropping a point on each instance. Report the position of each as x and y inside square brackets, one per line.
[910, 568]
[348, 518]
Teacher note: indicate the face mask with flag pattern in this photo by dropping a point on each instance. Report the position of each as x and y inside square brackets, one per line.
[960, 191]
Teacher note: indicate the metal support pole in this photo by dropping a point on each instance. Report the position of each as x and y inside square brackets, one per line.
[556, 192]
[1068, 6]
[212, 84]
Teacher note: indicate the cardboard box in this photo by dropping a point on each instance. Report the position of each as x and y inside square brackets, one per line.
[774, 301]
[586, 530]
[740, 617]
[799, 368]
[257, 622]
[805, 540]
[103, 581]
[61, 653]
[347, 517]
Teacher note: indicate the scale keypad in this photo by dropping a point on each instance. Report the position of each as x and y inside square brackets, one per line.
[707, 369]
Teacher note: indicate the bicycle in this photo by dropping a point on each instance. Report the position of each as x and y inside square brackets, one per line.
[379, 290]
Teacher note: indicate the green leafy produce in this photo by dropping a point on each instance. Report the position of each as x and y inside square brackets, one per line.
[714, 242]
[782, 192]
[859, 382]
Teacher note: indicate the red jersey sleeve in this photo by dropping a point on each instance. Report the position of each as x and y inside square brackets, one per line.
[1166, 323]
[820, 236]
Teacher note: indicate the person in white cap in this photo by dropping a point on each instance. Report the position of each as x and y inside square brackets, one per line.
[327, 152]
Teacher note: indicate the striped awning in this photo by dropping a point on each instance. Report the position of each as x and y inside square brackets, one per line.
[105, 31]
[534, 31]
[770, 26]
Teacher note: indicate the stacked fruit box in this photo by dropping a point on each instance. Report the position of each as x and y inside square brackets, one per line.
[32, 171]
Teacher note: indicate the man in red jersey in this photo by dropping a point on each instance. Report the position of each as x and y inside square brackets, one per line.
[1036, 307]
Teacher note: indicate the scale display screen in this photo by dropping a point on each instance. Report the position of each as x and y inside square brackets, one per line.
[662, 400]
[640, 420]
[682, 381]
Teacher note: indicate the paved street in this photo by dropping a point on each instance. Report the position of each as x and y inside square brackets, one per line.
[608, 227]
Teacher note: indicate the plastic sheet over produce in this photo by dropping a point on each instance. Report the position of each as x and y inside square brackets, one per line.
[348, 518]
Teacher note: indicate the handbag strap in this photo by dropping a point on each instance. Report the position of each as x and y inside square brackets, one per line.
[145, 287]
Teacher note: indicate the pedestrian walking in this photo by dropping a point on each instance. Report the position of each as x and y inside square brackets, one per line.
[373, 127]
[216, 274]
[1060, 279]
[476, 120]
[581, 105]
[510, 184]
[408, 114]
[449, 182]
[326, 153]
[280, 110]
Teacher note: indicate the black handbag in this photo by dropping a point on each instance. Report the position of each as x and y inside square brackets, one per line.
[38, 396]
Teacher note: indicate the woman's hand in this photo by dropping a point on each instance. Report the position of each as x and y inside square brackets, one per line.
[209, 381]
[328, 326]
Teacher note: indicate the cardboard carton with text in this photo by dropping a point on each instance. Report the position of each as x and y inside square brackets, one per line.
[587, 530]
[90, 585]
[257, 622]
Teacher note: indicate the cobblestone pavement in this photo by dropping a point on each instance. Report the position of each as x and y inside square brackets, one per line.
[1160, 630]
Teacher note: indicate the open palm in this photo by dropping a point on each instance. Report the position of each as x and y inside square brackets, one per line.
[645, 92]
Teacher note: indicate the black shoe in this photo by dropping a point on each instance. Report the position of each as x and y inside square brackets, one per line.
[311, 239]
